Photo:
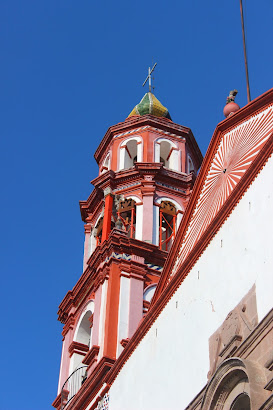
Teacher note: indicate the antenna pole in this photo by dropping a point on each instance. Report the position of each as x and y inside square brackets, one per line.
[244, 42]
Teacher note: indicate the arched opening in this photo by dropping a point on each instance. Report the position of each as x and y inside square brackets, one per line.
[106, 164]
[82, 337]
[147, 297]
[149, 293]
[242, 402]
[78, 349]
[98, 231]
[167, 224]
[167, 152]
[84, 331]
[130, 152]
[190, 165]
[127, 217]
[235, 385]
[163, 161]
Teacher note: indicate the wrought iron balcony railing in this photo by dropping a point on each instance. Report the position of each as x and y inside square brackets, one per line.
[72, 385]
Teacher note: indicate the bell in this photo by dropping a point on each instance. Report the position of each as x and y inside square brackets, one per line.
[119, 224]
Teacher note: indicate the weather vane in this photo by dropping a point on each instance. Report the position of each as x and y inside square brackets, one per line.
[149, 77]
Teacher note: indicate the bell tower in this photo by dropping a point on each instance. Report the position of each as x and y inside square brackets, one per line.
[147, 168]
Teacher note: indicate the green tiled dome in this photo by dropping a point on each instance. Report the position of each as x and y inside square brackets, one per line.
[150, 105]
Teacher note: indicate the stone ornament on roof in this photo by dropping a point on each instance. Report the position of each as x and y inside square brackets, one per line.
[231, 107]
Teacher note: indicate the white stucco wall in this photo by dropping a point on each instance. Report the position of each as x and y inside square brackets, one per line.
[171, 363]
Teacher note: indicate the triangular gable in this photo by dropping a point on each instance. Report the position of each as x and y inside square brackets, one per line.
[240, 146]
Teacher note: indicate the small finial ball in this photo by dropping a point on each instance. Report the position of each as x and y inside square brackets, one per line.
[231, 107]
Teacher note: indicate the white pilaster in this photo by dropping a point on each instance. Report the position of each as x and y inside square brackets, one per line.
[123, 313]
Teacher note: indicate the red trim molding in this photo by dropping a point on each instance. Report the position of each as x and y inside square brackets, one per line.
[58, 401]
[160, 123]
[69, 324]
[79, 348]
[100, 397]
[92, 385]
[124, 342]
[94, 275]
[91, 357]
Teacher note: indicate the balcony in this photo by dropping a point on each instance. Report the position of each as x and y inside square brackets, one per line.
[72, 385]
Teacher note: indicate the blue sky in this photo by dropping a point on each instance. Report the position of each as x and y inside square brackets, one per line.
[69, 70]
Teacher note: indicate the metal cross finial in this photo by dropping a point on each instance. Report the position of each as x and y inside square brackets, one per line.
[149, 77]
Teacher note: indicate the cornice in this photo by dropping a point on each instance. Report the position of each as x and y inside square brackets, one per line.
[133, 269]
[58, 401]
[195, 149]
[95, 272]
[106, 179]
[111, 179]
[136, 173]
[91, 356]
[79, 348]
[156, 122]
[124, 342]
[92, 202]
[69, 323]
[92, 385]
[100, 396]
[253, 340]
[135, 176]
[268, 405]
[150, 168]
[63, 312]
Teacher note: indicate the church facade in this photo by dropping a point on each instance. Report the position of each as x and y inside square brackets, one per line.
[174, 306]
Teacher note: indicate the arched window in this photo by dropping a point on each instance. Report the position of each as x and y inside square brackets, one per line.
[84, 331]
[130, 152]
[167, 152]
[190, 165]
[167, 224]
[127, 217]
[78, 348]
[147, 297]
[149, 293]
[235, 385]
[98, 231]
[106, 163]
[241, 402]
